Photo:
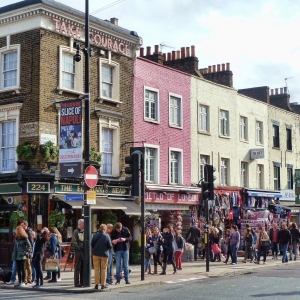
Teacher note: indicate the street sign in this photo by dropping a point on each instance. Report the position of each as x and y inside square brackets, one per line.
[74, 197]
[90, 197]
[90, 176]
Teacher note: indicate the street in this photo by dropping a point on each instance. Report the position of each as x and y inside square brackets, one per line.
[276, 283]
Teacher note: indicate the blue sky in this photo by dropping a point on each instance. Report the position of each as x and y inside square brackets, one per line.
[259, 38]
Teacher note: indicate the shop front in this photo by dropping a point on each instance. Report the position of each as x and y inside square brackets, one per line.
[288, 201]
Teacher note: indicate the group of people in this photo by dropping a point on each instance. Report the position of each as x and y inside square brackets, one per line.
[28, 255]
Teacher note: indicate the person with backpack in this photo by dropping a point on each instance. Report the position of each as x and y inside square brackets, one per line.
[179, 245]
[295, 235]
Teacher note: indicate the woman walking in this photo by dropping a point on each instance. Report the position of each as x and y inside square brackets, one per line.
[147, 253]
[178, 245]
[261, 250]
[37, 258]
[156, 242]
[248, 246]
[227, 242]
[21, 251]
[216, 241]
[254, 241]
[234, 243]
[167, 240]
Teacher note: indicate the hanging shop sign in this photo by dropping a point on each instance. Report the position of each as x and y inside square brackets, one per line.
[38, 187]
[70, 144]
[297, 186]
[171, 197]
[257, 153]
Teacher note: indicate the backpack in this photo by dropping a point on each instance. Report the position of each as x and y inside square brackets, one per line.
[5, 275]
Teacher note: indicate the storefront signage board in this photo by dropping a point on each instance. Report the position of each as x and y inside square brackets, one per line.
[297, 186]
[287, 195]
[171, 197]
[74, 197]
[38, 187]
[257, 153]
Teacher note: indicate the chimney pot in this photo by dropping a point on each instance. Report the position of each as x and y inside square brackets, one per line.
[218, 67]
[193, 51]
[141, 52]
[285, 90]
[169, 56]
[276, 91]
[148, 50]
[281, 90]
[209, 69]
[227, 66]
[178, 54]
[114, 21]
[165, 56]
[187, 51]
[173, 55]
[182, 52]
[272, 91]
[156, 49]
[214, 68]
[223, 67]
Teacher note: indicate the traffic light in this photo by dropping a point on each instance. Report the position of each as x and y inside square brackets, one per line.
[210, 178]
[204, 190]
[134, 161]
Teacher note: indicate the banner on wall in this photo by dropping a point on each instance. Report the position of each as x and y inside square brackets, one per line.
[70, 144]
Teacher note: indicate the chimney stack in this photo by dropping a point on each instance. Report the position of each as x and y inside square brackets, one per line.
[193, 54]
[114, 21]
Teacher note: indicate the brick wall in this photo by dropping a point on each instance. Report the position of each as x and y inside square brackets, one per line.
[260, 93]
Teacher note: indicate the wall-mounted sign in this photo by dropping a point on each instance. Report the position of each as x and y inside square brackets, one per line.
[171, 197]
[45, 137]
[297, 186]
[74, 197]
[257, 153]
[287, 195]
[38, 187]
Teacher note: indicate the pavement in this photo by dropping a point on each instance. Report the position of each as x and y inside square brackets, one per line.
[191, 271]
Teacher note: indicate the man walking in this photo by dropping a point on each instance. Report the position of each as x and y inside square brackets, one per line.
[120, 239]
[101, 245]
[109, 278]
[295, 236]
[193, 237]
[284, 238]
[77, 242]
[274, 240]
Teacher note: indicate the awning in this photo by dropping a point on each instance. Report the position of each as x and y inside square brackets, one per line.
[132, 208]
[255, 193]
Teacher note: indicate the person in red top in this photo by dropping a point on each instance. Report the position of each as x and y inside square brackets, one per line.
[274, 240]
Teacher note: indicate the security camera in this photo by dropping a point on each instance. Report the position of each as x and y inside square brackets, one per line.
[77, 56]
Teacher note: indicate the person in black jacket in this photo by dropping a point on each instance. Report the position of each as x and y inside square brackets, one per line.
[295, 236]
[101, 244]
[284, 238]
[193, 237]
[168, 250]
[37, 258]
[121, 237]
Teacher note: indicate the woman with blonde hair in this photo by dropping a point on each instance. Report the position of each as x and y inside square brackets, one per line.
[21, 251]
[156, 241]
[147, 253]
[216, 241]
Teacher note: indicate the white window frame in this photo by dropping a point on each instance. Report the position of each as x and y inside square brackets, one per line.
[180, 166]
[224, 177]
[179, 97]
[243, 128]
[203, 118]
[260, 176]
[114, 125]
[204, 159]
[157, 112]
[259, 130]
[111, 153]
[276, 178]
[289, 176]
[244, 174]
[3, 51]
[78, 81]
[224, 122]
[116, 80]
[156, 148]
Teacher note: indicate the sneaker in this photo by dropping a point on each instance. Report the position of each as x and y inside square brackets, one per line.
[58, 279]
[233, 263]
[22, 284]
[10, 283]
[39, 286]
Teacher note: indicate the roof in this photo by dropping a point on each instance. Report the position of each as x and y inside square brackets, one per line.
[68, 10]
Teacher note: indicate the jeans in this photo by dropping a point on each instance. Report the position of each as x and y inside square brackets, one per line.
[13, 271]
[122, 259]
[283, 248]
[147, 263]
[156, 259]
[33, 271]
[294, 249]
[109, 278]
[21, 270]
[261, 251]
[228, 254]
[274, 247]
[37, 266]
[234, 249]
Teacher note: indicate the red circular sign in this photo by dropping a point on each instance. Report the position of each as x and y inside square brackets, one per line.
[90, 176]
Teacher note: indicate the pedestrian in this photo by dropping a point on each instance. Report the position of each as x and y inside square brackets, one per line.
[254, 241]
[28, 269]
[211, 237]
[274, 232]
[21, 252]
[13, 273]
[37, 257]
[101, 244]
[46, 234]
[109, 277]
[156, 242]
[284, 238]
[227, 242]
[193, 237]
[147, 253]
[261, 249]
[178, 245]
[216, 241]
[121, 238]
[77, 242]
[248, 246]
[234, 243]
[295, 238]
[167, 243]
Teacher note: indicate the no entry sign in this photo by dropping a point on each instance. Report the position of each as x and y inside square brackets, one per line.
[90, 176]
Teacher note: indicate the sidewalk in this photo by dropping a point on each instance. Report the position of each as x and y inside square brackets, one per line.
[191, 271]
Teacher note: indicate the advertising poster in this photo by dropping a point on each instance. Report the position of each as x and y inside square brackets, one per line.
[70, 144]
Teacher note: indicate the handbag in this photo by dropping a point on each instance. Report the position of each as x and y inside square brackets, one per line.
[152, 250]
[215, 248]
[52, 264]
[266, 245]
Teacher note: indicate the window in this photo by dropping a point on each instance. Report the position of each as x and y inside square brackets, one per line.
[260, 169]
[151, 165]
[8, 146]
[243, 129]
[289, 139]
[204, 160]
[176, 166]
[151, 105]
[290, 178]
[10, 67]
[70, 74]
[259, 132]
[276, 178]
[175, 111]
[224, 122]
[244, 174]
[203, 118]
[109, 80]
[107, 151]
[276, 136]
[224, 171]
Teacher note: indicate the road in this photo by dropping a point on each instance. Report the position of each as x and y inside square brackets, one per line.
[274, 283]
